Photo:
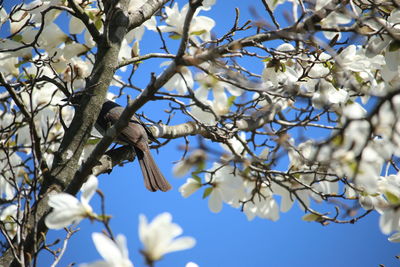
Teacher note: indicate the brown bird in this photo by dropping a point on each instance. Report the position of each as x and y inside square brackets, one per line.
[136, 135]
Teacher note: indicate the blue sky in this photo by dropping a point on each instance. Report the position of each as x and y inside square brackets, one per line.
[227, 238]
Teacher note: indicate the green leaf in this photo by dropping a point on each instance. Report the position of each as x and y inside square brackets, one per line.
[328, 64]
[297, 176]
[198, 32]
[231, 99]
[200, 166]
[20, 63]
[358, 78]
[246, 172]
[393, 199]
[103, 217]
[337, 140]
[91, 15]
[98, 23]
[175, 36]
[17, 38]
[311, 217]
[394, 46]
[266, 59]
[207, 192]
[93, 141]
[196, 177]
[283, 66]
[353, 165]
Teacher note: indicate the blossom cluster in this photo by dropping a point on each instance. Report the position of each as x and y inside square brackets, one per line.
[347, 88]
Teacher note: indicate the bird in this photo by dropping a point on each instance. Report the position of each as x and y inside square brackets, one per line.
[136, 135]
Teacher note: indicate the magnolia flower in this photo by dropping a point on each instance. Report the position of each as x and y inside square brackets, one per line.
[220, 102]
[236, 143]
[203, 116]
[390, 186]
[395, 237]
[354, 111]
[326, 95]
[320, 68]
[390, 220]
[159, 237]
[51, 36]
[325, 187]
[114, 253]
[67, 209]
[287, 199]
[9, 171]
[8, 217]
[226, 187]
[200, 25]
[262, 204]
[196, 158]
[353, 58]
[276, 75]
[378, 43]
[188, 188]
[332, 20]
[180, 81]
[8, 64]
[76, 26]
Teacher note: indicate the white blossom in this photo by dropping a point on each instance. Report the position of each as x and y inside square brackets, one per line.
[262, 204]
[188, 188]
[333, 20]
[220, 102]
[114, 252]
[200, 26]
[8, 217]
[227, 186]
[10, 171]
[197, 157]
[160, 237]
[67, 209]
[180, 81]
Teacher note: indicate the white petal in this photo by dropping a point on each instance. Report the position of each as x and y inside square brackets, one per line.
[89, 188]
[181, 168]
[106, 247]
[388, 221]
[120, 240]
[76, 26]
[286, 203]
[63, 201]
[8, 211]
[143, 227]
[215, 201]
[162, 218]
[181, 243]
[395, 237]
[189, 187]
[97, 264]
[59, 219]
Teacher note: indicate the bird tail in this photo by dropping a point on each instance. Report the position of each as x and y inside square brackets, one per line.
[153, 178]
